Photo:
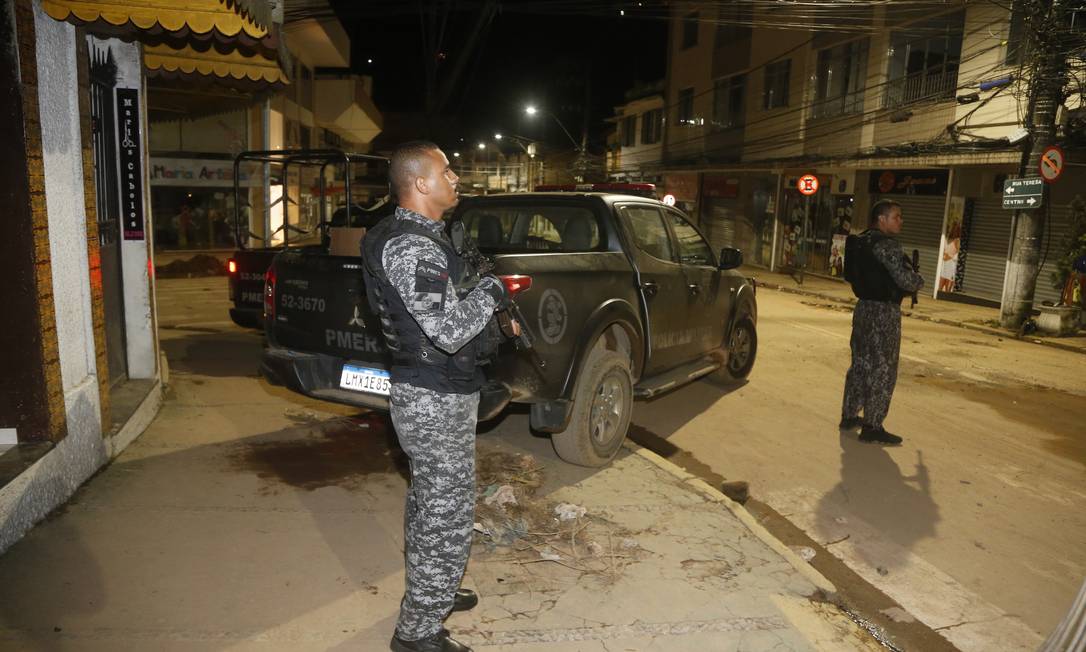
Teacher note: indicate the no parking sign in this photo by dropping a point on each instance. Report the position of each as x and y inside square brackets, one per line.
[1050, 166]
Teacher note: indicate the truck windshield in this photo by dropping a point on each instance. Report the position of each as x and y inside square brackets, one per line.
[522, 228]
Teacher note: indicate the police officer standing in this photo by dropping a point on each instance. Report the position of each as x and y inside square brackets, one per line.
[432, 326]
[880, 276]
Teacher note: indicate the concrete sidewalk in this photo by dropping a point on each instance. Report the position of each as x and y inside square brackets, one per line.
[978, 318]
[249, 518]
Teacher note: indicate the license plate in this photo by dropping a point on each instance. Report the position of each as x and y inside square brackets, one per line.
[364, 379]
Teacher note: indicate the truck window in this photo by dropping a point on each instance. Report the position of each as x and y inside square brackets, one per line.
[513, 229]
[693, 249]
[650, 234]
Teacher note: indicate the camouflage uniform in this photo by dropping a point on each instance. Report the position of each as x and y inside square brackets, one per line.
[437, 431]
[876, 341]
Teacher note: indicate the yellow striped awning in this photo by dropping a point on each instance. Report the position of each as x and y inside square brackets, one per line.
[234, 65]
[199, 17]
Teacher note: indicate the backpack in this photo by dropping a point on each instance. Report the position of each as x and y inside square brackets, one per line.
[853, 249]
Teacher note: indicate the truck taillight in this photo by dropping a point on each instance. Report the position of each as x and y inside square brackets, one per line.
[232, 266]
[516, 283]
[269, 294]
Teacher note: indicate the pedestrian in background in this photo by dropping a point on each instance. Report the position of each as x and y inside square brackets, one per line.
[881, 277]
[433, 332]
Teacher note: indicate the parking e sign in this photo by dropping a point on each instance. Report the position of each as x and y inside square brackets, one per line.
[807, 184]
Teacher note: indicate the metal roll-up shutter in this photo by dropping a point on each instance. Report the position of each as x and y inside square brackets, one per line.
[922, 229]
[986, 250]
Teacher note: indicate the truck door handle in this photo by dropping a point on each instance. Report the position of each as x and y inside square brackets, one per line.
[649, 287]
[694, 288]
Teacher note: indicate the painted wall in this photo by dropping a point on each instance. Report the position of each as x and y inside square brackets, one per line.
[135, 254]
[688, 68]
[778, 132]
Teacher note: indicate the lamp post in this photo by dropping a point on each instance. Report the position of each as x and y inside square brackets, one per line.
[580, 163]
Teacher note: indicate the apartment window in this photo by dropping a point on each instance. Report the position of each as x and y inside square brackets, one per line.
[775, 93]
[685, 108]
[690, 30]
[629, 131]
[924, 60]
[728, 102]
[652, 124]
[840, 79]
[733, 23]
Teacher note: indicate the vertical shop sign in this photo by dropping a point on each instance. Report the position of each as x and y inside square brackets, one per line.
[131, 161]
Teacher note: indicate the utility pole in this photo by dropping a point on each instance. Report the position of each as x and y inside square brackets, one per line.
[1048, 31]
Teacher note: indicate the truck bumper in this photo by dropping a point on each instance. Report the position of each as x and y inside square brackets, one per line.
[248, 317]
[317, 375]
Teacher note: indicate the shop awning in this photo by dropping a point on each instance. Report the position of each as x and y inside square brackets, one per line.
[235, 65]
[199, 17]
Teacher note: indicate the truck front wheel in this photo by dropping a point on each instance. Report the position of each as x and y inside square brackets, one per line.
[601, 411]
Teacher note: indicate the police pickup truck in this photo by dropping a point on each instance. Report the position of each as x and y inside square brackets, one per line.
[623, 296]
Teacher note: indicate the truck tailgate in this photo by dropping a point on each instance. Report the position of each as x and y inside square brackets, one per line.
[320, 307]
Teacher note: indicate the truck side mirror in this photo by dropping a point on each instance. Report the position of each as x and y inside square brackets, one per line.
[730, 258]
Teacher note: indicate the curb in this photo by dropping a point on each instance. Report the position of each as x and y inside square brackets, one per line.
[825, 586]
[936, 320]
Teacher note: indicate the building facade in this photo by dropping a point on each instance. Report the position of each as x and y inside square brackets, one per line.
[882, 101]
[83, 372]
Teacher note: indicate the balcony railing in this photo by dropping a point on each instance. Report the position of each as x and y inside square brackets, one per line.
[922, 86]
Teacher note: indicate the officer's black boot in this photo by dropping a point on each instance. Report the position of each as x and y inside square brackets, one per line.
[874, 435]
[850, 423]
[465, 599]
[439, 642]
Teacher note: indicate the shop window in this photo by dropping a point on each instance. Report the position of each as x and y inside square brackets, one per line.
[684, 114]
[840, 79]
[690, 30]
[652, 123]
[729, 104]
[777, 77]
[733, 23]
[629, 131]
[924, 60]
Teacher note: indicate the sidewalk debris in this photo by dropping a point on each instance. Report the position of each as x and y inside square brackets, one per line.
[805, 553]
[568, 512]
[517, 526]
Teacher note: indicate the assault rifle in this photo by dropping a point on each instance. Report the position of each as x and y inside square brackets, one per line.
[508, 311]
[916, 269]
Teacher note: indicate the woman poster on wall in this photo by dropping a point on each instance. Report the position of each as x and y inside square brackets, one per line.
[955, 241]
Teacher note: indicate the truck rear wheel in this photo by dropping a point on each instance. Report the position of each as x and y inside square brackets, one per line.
[601, 411]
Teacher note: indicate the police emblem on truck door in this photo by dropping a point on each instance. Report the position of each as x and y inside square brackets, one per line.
[553, 316]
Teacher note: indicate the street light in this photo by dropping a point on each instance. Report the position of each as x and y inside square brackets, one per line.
[497, 136]
[532, 110]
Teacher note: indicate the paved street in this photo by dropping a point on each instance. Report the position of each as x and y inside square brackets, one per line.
[978, 519]
[247, 517]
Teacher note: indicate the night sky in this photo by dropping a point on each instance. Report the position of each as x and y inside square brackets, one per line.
[530, 53]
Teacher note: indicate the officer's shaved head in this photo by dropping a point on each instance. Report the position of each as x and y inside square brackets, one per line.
[882, 208]
[409, 161]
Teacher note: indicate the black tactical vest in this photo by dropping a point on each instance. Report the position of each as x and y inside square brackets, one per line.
[415, 360]
[870, 279]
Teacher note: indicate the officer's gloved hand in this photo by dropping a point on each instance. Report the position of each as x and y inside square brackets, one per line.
[493, 286]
